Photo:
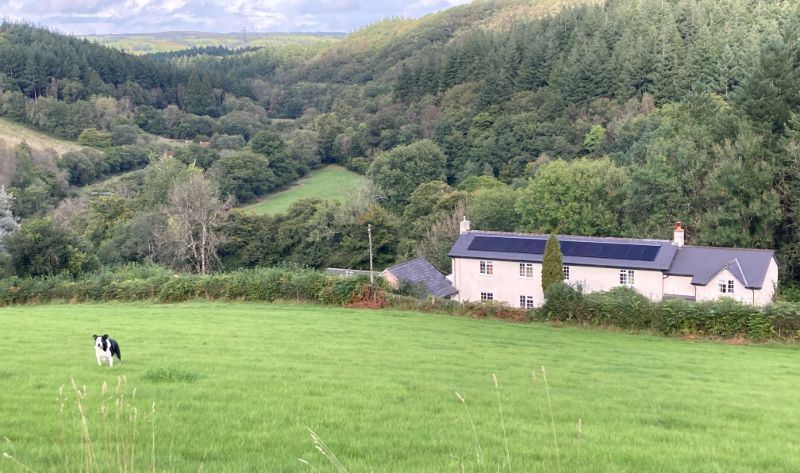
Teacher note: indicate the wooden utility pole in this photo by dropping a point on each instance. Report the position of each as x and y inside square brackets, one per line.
[369, 233]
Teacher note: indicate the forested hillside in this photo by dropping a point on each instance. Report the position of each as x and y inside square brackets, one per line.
[613, 118]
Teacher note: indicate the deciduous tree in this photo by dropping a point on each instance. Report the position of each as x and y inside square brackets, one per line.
[400, 171]
[196, 215]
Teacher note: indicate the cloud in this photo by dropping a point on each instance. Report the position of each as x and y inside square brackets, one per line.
[142, 16]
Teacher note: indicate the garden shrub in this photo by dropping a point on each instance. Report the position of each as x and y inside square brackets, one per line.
[784, 320]
[564, 303]
[620, 306]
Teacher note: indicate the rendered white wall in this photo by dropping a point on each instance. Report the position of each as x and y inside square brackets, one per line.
[507, 285]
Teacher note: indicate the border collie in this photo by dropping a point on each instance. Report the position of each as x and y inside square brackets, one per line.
[105, 349]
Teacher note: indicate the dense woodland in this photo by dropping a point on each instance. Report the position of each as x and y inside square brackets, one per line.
[611, 119]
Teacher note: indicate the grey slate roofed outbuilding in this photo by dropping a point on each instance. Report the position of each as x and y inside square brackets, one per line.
[420, 271]
[702, 263]
[661, 262]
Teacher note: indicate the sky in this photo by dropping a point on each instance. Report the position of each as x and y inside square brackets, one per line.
[81, 17]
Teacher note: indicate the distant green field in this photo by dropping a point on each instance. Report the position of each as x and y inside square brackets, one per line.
[330, 182]
[236, 386]
[180, 40]
[13, 133]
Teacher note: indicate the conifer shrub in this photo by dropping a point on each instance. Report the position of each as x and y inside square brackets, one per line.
[552, 264]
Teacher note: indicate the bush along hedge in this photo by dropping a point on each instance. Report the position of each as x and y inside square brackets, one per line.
[151, 283]
[626, 308]
[621, 307]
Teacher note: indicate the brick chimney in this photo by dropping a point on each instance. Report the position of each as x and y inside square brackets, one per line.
[677, 238]
[465, 226]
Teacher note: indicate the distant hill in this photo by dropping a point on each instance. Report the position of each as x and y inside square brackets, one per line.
[168, 41]
[376, 49]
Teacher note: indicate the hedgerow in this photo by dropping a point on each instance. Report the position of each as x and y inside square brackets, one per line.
[152, 283]
[626, 308]
[623, 308]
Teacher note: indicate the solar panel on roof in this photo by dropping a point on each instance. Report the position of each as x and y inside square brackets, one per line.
[508, 245]
[580, 249]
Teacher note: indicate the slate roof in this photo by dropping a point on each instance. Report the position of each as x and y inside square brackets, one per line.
[702, 263]
[420, 271]
[661, 262]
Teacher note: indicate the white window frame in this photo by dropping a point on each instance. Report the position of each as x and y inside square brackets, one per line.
[487, 296]
[526, 270]
[565, 271]
[486, 267]
[526, 302]
[627, 277]
[726, 286]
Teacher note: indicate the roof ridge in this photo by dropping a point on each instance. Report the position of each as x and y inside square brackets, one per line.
[547, 235]
[706, 247]
[405, 263]
[741, 271]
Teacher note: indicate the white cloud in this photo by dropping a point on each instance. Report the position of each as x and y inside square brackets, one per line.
[134, 16]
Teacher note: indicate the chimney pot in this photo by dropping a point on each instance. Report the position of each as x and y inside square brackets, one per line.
[678, 235]
[465, 226]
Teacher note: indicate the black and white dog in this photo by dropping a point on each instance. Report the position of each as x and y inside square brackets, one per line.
[105, 349]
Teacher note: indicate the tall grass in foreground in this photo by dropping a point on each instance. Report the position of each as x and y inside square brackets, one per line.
[105, 432]
[480, 462]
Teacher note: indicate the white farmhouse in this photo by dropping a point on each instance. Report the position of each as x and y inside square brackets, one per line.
[507, 267]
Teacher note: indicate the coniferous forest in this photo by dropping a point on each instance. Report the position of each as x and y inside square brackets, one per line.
[613, 118]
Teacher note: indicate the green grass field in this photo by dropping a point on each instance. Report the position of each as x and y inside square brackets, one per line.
[13, 133]
[329, 182]
[235, 387]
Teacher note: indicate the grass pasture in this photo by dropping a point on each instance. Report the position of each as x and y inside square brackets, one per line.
[13, 134]
[330, 182]
[236, 385]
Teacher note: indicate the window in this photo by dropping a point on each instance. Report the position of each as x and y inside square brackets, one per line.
[487, 267]
[526, 302]
[566, 273]
[726, 286]
[626, 277]
[526, 270]
[487, 296]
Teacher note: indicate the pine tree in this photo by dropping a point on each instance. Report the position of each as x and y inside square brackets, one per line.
[552, 265]
[670, 76]
[404, 87]
[199, 94]
[771, 92]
